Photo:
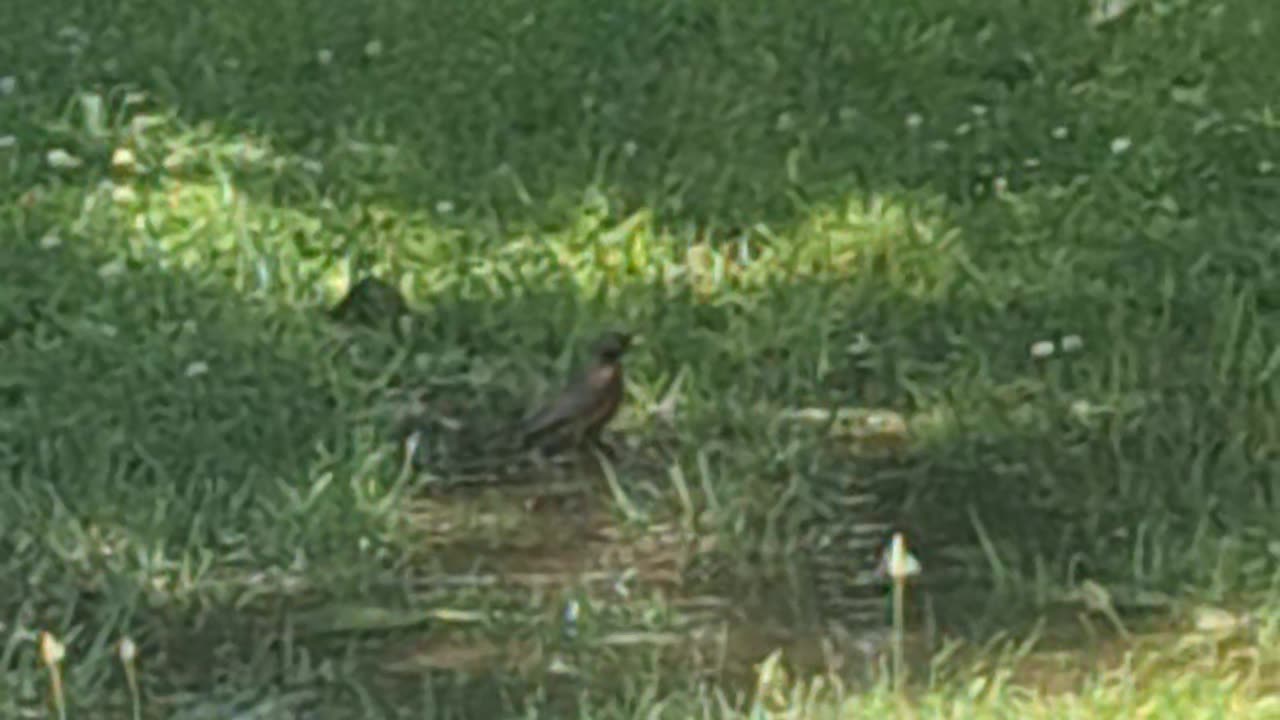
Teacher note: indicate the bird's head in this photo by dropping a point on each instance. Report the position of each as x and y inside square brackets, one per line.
[611, 346]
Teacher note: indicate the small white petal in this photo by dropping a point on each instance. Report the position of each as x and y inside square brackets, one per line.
[196, 369]
[1072, 343]
[111, 269]
[963, 129]
[1000, 185]
[444, 207]
[373, 48]
[914, 120]
[128, 650]
[50, 241]
[629, 148]
[8, 141]
[51, 651]
[1081, 409]
[1031, 163]
[1060, 132]
[1105, 11]
[8, 85]
[1042, 349]
[1266, 167]
[324, 57]
[142, 123]
[123, 158]
[62, 159]
[978, 110]
[1120, 145]
[124, 194]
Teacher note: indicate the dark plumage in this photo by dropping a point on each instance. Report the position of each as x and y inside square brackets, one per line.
[583, 408]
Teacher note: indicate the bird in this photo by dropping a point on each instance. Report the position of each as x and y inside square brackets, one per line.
[586, 405]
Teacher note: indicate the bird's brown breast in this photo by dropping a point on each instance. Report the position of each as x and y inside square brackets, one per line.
[606, 383]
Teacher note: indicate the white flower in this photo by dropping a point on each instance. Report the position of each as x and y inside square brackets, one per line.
[978, 110]
[8, 85]
[1266, 166]
[444, 207]
[1042, 349]
[629, 148]
[324, 57]
[142, 123]
[963, 129]
[123, 194]
[8, 141]
[197, 368]
[373, 48]
[111, 269]
[1105, 11]
[71, 32]
[50, 241]
[1000, 185]
[914, 120]
[128, 651]
[1031, 163]
[123, 158]
[1072, 343]
[51, 651]
[1081, 409]
[1060, 132]
[1121, 145]
[61, 159]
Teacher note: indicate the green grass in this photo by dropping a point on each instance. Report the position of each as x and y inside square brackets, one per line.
[850, 204]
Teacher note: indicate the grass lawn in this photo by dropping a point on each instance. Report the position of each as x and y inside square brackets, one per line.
[1047, 251]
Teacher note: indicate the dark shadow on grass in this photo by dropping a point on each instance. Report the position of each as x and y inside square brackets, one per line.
[715, 118]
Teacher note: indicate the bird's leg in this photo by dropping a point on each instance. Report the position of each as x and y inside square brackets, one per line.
[597, 441]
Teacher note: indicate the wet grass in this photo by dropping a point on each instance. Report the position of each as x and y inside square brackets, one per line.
[1045, 251]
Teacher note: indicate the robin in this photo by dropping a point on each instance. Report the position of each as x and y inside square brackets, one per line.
[586, 404]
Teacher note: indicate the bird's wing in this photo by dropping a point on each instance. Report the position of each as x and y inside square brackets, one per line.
[573, 402]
